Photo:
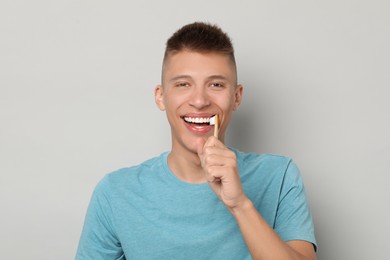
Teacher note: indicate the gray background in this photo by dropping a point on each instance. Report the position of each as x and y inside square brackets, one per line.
[76, 102]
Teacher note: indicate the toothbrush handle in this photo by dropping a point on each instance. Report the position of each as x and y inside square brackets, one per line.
[216, 126]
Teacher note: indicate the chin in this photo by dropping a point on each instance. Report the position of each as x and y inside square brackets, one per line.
[189, 145]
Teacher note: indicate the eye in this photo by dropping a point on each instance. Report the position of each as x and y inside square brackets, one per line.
[182, 84]
[217, 85]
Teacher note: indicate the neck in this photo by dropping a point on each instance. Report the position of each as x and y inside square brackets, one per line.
[186, 166]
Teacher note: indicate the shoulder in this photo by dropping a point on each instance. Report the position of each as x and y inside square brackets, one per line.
[267, 169]
[266, 162]
[128, 176]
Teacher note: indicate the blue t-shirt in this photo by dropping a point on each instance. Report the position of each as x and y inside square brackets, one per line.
[145, 212]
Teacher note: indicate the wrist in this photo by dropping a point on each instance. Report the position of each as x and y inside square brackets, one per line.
[242, 207]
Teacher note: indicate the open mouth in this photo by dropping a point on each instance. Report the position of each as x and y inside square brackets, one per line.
[197, 120]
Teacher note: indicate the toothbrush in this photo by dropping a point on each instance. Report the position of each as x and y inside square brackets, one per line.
[214, 122]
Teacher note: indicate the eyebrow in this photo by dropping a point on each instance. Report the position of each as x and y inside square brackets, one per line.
[187, 77]
[220, 77]
[180, 77]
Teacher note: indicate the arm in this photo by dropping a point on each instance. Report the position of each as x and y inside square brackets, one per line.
[221, 171]
[263, 242]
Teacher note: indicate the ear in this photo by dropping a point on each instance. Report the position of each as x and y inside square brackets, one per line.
[237, 96]
[159, 97]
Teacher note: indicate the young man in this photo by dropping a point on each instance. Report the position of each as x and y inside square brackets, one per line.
[201, 200]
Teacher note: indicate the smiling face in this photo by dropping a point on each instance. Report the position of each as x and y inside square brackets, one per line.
[195, 87]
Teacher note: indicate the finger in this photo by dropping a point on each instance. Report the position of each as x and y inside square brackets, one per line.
[218, 156]
[220, 171]
[215, 147]
[213, 141]
[214, 174]
[200, 144]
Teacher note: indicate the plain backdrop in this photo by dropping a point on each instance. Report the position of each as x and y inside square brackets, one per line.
[76, 102]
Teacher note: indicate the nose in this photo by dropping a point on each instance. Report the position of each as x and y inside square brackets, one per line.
[199, 98]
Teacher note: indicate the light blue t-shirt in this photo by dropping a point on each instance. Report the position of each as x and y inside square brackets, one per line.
[145, 212]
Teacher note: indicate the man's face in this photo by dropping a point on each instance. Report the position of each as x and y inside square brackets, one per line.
[195, 87]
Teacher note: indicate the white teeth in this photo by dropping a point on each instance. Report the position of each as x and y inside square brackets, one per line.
[197, 120]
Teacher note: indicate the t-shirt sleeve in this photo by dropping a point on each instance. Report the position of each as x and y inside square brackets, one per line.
[98, 239]
[293, 219]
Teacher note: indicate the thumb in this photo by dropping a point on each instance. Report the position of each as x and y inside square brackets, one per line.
[200, 145]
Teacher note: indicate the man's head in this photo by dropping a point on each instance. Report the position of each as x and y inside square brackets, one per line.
[199, 37]
[199, 80]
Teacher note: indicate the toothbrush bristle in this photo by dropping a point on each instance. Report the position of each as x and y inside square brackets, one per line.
[212, 120]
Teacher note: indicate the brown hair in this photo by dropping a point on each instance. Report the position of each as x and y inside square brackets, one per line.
[200, 37]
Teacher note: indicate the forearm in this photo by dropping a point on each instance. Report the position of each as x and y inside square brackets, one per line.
[262, 241]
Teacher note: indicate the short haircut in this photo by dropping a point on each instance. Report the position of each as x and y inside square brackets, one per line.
[200, 37]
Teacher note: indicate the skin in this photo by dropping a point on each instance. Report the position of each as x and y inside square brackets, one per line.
[202, 85]
[196, 84]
